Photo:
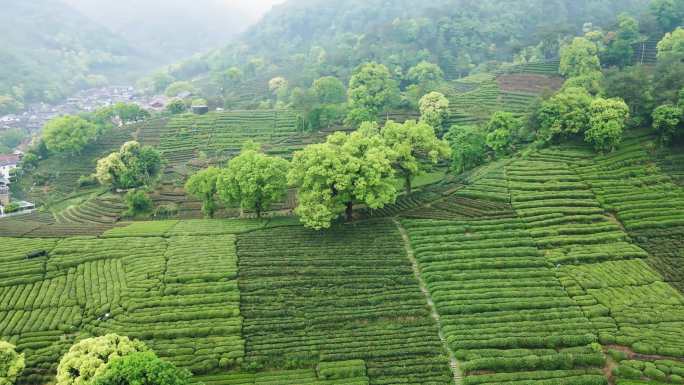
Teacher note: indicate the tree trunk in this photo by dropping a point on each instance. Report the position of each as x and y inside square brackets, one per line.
[407, 183]
[350, 211]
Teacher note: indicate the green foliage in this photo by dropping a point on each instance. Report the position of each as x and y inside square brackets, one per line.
[591, 81]
[176, 88]
[371, 90]
[415, 147]
[329, 90]
[619, 51]
[137, 203]
[668, 121]
[89, 358]
[565, 114]
[434, 109]
[668, 13]
[202, 185]
[68, 134]
[142, 368]
[199, 102]
[579, 58]
[633, 85]
[176, 106]
[11, 138]
[253, 180]
[127, 112]
[607, 122]
[11, 363]
[672, 45]
[468, 147]
[502, 130]
[423, 78]
[132, 166]
[346, 169]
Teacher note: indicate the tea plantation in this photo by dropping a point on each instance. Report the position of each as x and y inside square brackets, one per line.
[557, 266]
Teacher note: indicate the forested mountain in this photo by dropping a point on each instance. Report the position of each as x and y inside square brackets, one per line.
[456, 34]
[48, 49]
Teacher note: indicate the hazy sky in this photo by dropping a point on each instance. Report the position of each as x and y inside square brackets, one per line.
[254, 7]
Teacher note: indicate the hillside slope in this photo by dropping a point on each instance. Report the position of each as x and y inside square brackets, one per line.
[49, 49]
[536, 265]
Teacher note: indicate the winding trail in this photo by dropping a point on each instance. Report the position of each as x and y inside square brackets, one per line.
[453, 363]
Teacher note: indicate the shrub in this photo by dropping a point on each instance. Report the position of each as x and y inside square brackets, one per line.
[137, 202]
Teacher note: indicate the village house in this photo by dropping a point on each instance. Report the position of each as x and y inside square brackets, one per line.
[8, 163]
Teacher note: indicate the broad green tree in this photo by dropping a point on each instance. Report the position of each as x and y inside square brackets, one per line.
[202, 185]
[425, 74]
[565, 114]
[669, 13]
[416, 148]
[176, 106]
[668, 121]
[434, 109]
[425, 77]
[672, 45]
[68, 134]
[371, 90]
[132, 166]
[253, 180]
[11, 363]
[633, 85]
[90, 357]
[347, 169]
[468, 147]
[329, 90]
[579, 58]
[590, 81]
[619, 51]
[607, 121]
[142, 368]
[502, 129]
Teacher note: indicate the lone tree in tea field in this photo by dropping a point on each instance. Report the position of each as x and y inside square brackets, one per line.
[415, 148]
[253, 180]
[132, 166]
[202, 185]
[89, 358]
[11, 363]
[142, 368]
[347, 169]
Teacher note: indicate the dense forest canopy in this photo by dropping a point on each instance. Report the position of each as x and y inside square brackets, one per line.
[456, 34]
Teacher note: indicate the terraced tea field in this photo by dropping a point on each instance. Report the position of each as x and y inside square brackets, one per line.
[557, 267]
[475, 98]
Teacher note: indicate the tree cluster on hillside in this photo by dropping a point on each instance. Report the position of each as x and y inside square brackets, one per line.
[362, 167]
[252, 180]
[132, 166]
[419, 44]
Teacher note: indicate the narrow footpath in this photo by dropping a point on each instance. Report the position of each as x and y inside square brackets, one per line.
[453, 363]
